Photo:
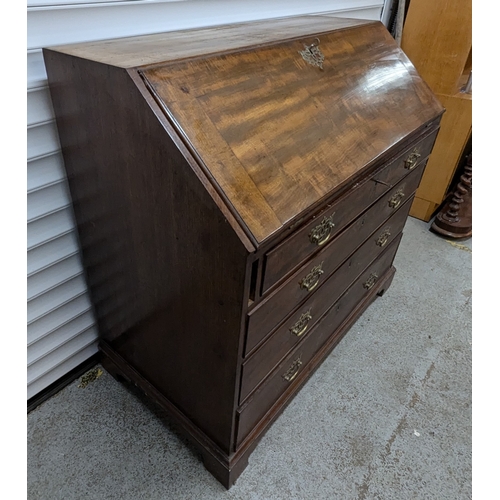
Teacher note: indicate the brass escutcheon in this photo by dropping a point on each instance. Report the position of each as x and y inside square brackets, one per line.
[370, 281]
[313, 55]
[396, 198]
[384, 237]
[310, 282]
[321, 233]
[293, 371]
[411, 161]
[300, 326]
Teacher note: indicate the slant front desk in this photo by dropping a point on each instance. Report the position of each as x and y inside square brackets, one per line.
[240, 193]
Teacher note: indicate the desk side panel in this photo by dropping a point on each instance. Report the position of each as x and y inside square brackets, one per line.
[165, 269]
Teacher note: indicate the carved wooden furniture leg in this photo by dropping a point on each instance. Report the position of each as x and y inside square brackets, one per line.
[455, 219]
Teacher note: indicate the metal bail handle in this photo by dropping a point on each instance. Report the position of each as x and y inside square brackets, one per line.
[412, 160]
[293, 370]
[321, 233]
[301, 325]
[384, 237]
[368, 284]
[311, 280]
[396, 198]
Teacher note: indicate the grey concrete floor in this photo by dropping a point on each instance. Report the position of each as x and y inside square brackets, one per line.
[387, 415]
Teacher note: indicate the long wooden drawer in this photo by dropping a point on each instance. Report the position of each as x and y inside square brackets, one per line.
[299, 286]
[300, 323]
[325, 225]
[291, 367]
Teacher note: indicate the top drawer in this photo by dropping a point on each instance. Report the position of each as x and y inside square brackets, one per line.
[301, 245]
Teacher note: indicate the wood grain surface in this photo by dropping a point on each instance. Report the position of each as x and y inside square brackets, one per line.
[272, 310]
[279, 343]
[269, 393]
[149, 231]
[437, 37]
[194, 177]
[456, 128]
[129, 52]
[278, 134]
[282, 258]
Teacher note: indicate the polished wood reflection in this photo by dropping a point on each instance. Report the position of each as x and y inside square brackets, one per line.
[277, 134]
[199, 164]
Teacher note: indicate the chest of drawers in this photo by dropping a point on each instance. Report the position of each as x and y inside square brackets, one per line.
[240, 193]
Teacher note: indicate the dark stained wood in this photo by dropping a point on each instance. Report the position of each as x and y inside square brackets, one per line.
[147, 276]
[281, 259]
[454, 220]
[216, 461]
[277, 134]
[137, 51]
[267, 314]
[246, 447]
[195, 180]
[265, 359]
[269, 393]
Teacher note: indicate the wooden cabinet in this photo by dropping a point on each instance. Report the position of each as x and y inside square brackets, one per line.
[437, 37]
[240, 193]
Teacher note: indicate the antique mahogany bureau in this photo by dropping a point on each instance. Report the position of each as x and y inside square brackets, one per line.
[240, 193]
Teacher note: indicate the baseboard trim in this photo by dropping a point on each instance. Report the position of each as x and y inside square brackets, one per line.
[61, 383]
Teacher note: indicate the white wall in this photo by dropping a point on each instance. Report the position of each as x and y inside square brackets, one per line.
[61, 326]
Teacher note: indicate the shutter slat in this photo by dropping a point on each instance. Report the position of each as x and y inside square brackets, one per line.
[39, 106]
[53, 276]
[47, 200]
[66, 333]
[55, 298]
[99, 22]
[62, 353]
[52, 252]
[61, 369]
[69, 3]
[49, 227]
[42, 139]
[45, 170]
[36, 73]
[57, 318]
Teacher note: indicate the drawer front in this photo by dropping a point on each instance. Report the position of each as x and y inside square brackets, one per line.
[313, 273]
[290, 369]
[303, 244]
[300, 323]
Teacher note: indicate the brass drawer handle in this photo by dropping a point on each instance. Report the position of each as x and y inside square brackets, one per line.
[396, 198]
[412, 160]
[384, 237]
[320, 234]
[310, 282]
[300, 326]
[370, 281]
[293, 371]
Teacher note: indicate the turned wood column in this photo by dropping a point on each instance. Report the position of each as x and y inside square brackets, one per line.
[455, 218]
